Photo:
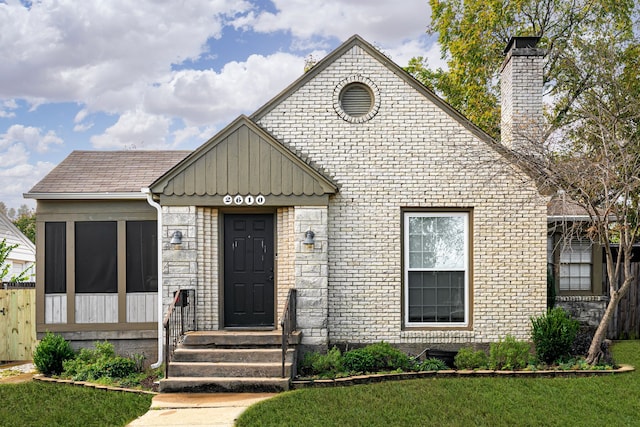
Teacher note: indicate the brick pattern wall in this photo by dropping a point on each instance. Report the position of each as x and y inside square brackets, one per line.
[521, 109]
[285, 240]
[411, 154]
[208, 291]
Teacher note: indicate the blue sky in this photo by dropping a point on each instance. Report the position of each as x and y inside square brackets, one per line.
[122, 75]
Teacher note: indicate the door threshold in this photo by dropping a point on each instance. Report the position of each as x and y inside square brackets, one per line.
[249, 328]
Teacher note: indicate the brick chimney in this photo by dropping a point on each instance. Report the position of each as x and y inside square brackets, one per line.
[521, 92]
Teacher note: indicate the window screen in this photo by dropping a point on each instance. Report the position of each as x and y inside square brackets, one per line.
[55, 257]
[436, 251]
[96, 255]
[575, 266]
[142, 256]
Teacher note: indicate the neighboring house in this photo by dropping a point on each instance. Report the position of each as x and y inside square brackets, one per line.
[424, 231]
[23, 256]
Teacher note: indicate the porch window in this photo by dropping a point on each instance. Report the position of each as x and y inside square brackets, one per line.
[55, 258]
[575, 266]
[436, 268]
[142, 256]
[96, 257]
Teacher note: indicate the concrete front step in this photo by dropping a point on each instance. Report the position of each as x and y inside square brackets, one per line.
[238, 339]
[223, 384]
[228, 369]
[240, 355]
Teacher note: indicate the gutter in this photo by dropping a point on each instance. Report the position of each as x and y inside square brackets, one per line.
[158, 208]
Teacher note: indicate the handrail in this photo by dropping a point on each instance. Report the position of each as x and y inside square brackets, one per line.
[179, 319]
[288, 324]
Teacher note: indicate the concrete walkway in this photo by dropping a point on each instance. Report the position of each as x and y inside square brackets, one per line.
[198, 409]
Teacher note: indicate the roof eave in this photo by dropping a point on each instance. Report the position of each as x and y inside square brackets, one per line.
[86, 196]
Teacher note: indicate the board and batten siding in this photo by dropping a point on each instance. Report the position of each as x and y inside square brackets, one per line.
[243, 160]
[55, 309]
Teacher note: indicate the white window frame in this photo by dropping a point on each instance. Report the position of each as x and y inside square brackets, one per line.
[406, 220]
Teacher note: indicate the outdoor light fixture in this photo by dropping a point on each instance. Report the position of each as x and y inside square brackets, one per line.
[176, 238]
[309, 238]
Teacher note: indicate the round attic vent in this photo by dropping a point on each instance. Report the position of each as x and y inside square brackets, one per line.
[356, 99]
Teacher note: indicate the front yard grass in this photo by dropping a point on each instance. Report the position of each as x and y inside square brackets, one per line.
[37, 403]
[481, 401]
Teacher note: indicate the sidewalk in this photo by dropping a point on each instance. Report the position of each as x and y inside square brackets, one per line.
[198, 409]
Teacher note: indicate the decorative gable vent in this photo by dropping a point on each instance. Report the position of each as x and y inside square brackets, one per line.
[356, 99]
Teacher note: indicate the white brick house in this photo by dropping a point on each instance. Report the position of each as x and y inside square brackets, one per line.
[425, 231]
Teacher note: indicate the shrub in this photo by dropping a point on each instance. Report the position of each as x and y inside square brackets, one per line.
[553, 334]
[359, 360]
[467, 358]
[102, 362]
[50, 354]
[314, 363]
[377, 357]
[509, 354]
[431, 364]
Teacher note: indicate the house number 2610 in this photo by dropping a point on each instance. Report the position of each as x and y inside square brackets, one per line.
[246, 200]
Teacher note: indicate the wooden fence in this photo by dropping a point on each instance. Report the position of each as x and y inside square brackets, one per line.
[17, 321]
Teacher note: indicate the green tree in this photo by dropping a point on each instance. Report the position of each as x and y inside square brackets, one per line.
[5, 251]
[472, 35]
[595, 162]
[26, 223]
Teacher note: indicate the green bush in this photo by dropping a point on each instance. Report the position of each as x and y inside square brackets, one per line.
[553, 335]
[377, 357]
[431, 364]
[324, 365]
[51, 353]
[509, 354]
[102, 362]
[467, 358]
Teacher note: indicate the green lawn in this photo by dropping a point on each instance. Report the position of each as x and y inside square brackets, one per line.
[611, 400]
[48, 404]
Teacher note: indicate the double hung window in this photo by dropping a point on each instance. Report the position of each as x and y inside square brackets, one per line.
[436, 263]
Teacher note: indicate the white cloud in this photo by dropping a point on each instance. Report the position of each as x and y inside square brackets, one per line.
[30, 137]
[135, 130]
[67, 50]
[382, 21]
[20, 178]
[205, 97]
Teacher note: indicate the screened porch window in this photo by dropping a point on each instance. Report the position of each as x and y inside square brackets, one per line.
[436, 269]
[96, 257]
[55, 258]
[142, 256]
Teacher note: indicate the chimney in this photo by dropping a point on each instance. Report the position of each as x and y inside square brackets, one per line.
[521, 92]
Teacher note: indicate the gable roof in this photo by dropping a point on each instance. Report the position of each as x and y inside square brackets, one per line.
[243, 159]
[356, 40]
[86, 174]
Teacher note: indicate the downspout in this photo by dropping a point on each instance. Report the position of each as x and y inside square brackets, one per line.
[160, 313]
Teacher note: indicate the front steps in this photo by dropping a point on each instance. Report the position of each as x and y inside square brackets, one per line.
[231, 361]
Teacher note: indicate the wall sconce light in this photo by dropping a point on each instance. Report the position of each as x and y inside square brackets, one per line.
[309, 238]
[176, 238]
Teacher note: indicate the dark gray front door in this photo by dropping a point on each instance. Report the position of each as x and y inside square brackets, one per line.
[248, 270]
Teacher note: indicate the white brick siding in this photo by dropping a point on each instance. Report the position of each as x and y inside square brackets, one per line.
[413, 154]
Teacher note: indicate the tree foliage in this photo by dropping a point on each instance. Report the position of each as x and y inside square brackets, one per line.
[473, 34]
[5, 251]
[26, 223]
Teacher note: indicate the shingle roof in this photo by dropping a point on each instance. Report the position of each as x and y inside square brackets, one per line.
[108, 171]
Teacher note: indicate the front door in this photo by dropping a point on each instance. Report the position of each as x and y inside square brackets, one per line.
[248, 270]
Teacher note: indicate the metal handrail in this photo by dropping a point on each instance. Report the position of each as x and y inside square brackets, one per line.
[288, 325]
[180, 318]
